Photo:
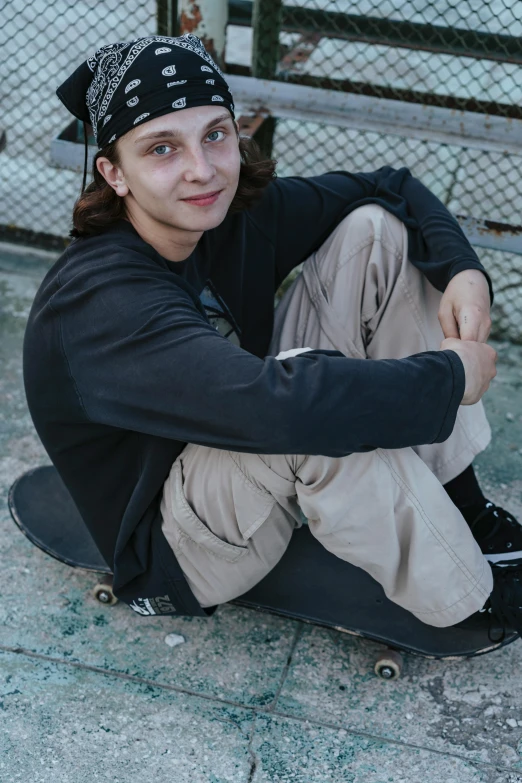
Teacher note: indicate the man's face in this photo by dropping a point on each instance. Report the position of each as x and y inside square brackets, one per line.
[170, 160]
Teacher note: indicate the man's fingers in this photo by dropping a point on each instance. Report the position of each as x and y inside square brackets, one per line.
[469, 330]
[484, 330]
[474, 324]
[448, 323]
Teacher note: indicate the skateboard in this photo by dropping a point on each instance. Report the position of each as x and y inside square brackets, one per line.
[309, 583]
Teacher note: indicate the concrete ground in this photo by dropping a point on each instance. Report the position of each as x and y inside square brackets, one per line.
[90, 693]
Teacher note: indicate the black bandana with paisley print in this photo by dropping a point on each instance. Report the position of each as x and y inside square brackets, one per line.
[125, 84]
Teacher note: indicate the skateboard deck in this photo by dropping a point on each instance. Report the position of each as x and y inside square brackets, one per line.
[309, 583]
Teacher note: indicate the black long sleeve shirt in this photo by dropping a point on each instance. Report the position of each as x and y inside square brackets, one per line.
[122, 366]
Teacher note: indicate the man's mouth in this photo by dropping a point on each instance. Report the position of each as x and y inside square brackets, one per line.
[203, 199]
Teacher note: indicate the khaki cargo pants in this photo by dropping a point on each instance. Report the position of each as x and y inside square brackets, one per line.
[229, 516]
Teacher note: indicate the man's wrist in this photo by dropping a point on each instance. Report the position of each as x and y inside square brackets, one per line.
[472, 266]
[459, 372]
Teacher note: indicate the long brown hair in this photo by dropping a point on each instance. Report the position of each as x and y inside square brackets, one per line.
[99, 205]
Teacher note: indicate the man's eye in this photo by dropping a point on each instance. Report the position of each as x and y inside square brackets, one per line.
[213, 133]
[161, 149]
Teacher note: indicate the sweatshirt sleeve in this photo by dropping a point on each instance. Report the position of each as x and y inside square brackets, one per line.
[144, 358]
[302, 211]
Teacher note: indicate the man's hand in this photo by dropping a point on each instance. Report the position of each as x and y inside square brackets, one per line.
[464, 308]
[479, 366]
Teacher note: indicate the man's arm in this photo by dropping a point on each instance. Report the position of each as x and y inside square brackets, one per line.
[165, 371]
[299, 213]
[468, 292]
[437, 244]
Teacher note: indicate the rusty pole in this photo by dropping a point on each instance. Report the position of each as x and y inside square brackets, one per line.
[208, 20]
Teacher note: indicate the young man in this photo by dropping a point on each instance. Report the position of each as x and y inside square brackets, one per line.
[192, 429]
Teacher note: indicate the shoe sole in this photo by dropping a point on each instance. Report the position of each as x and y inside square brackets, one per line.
[504, 558]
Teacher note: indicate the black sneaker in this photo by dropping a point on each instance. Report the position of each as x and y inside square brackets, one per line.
[501, 615]
[504, 605]
[501, 544]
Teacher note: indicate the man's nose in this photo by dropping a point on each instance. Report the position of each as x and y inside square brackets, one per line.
[198, 165]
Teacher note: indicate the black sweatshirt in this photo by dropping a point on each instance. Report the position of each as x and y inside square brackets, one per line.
[122, 366]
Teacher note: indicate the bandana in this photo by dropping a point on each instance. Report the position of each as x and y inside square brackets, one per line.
[125, 84]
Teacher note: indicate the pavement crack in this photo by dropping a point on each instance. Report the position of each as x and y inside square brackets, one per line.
[129, 677]
[297, 636]
[257, 711]
[254, 758]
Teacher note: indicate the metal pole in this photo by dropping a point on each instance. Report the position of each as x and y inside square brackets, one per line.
[208, 20]
[266, 23]
[166, 17]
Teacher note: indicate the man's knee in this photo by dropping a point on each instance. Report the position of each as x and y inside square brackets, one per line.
[372, 220]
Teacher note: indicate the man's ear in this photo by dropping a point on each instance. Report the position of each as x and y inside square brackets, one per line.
[113, 175]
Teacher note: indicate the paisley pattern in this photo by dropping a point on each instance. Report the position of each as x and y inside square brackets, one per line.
[116, 77]
[192, 43]
[104, 66]
[131, 85]
[110, 67]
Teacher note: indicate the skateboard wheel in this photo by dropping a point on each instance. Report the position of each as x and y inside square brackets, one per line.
[103, 593]
[389, 665]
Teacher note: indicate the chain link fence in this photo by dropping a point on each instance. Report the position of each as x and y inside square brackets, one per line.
[42, 42]
[460, 55]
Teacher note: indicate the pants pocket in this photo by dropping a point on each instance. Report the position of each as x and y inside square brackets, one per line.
[251, 504]
[191, 527]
